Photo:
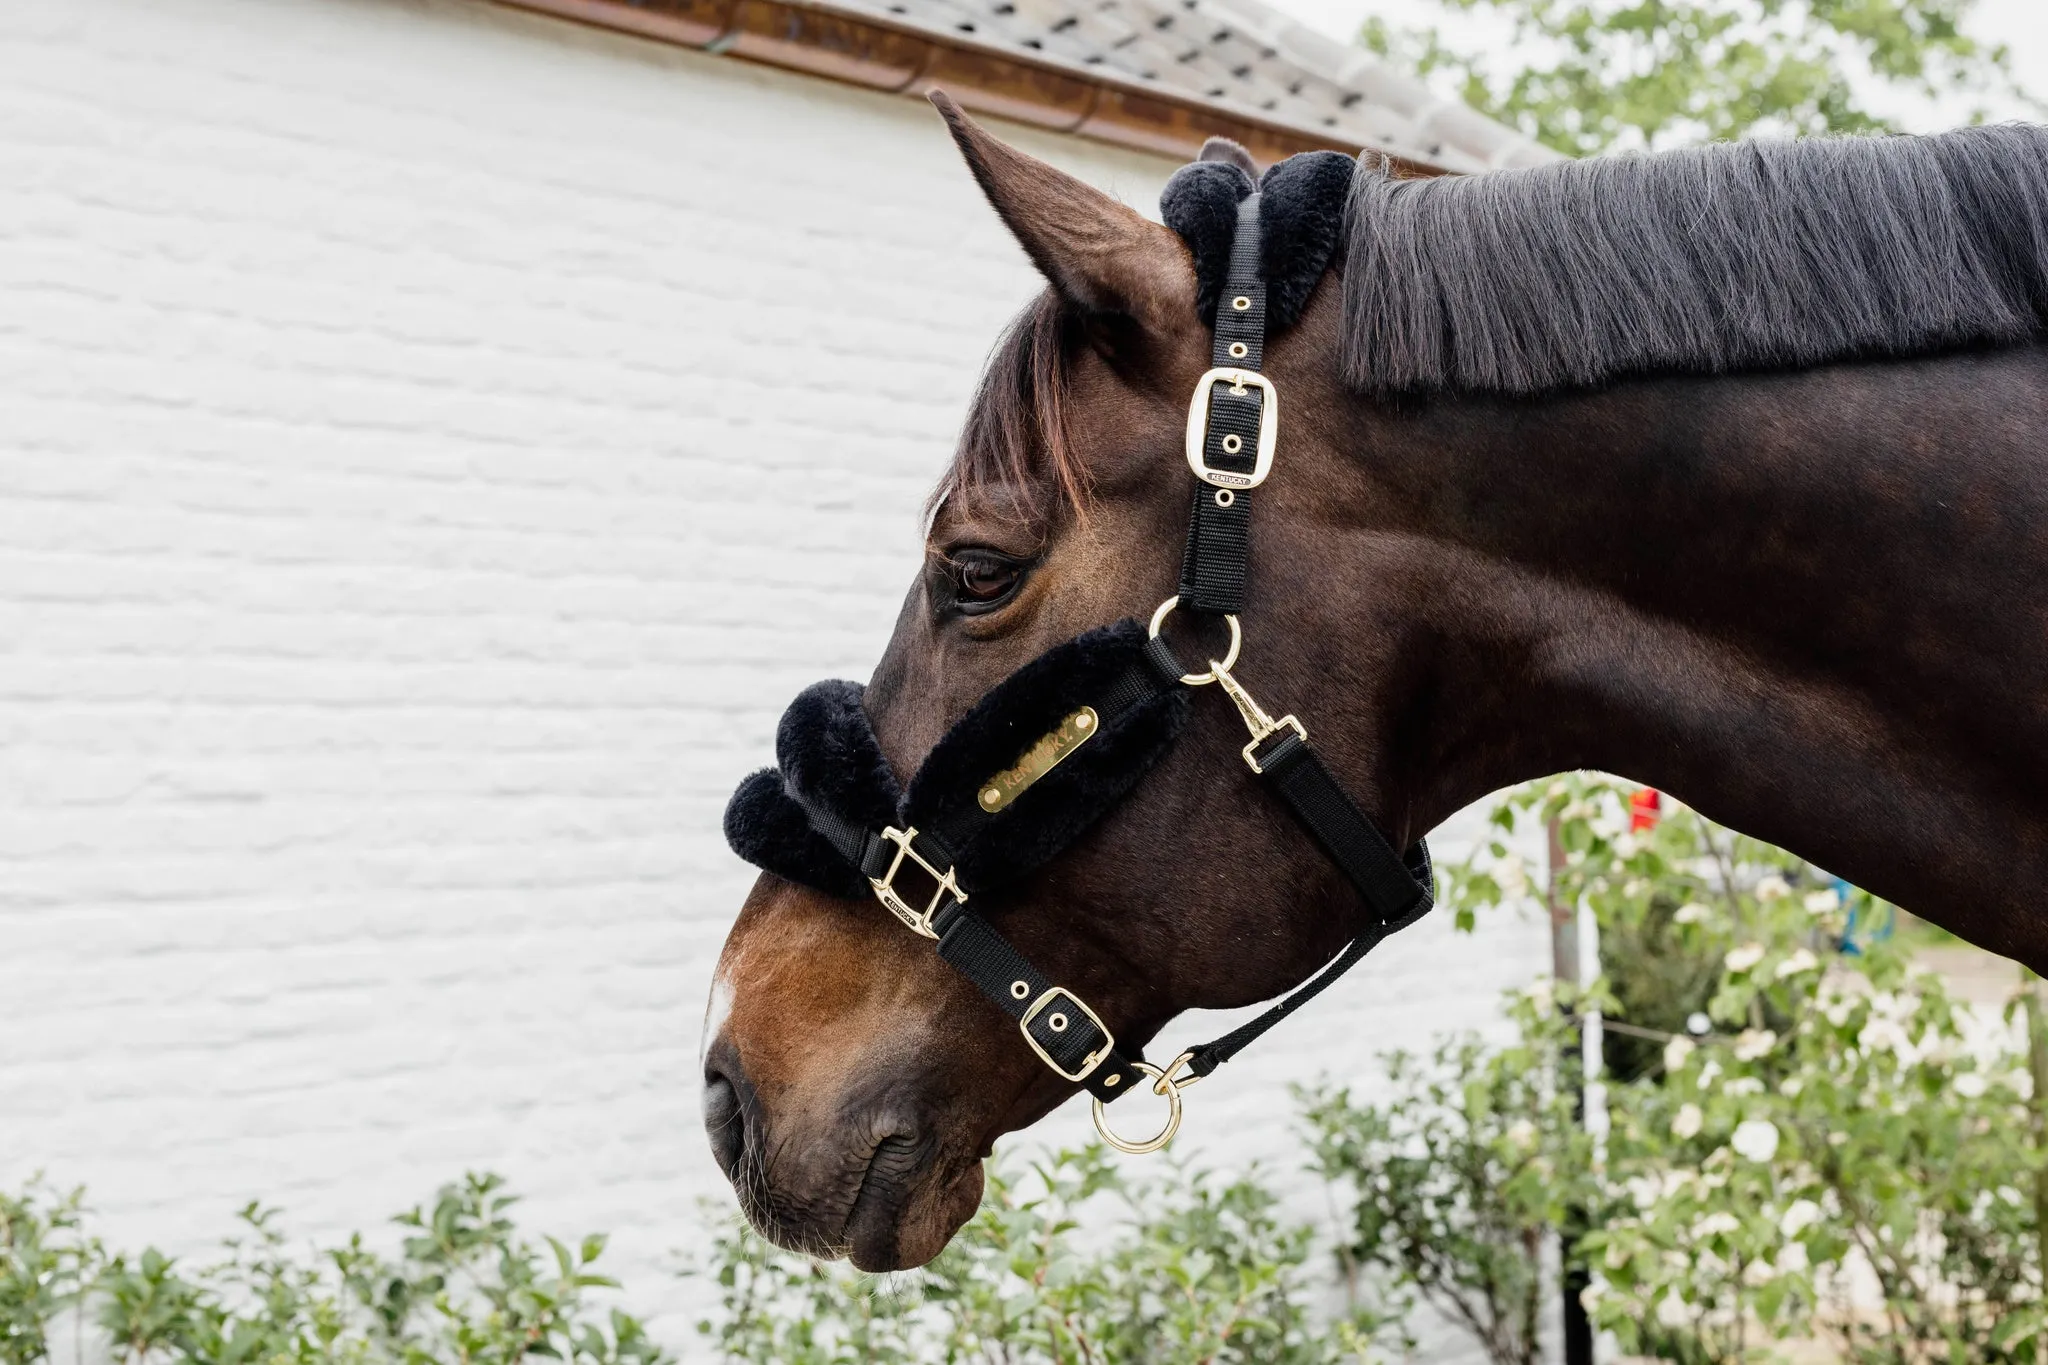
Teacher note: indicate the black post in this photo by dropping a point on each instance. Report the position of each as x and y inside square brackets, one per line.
[1564, 968]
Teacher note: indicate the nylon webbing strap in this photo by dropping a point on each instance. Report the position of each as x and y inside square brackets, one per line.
[1398, 891]
[1060, 1025]
[1212, 569]
[1295, 770]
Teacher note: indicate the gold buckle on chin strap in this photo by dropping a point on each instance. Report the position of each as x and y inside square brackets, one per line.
[944, 884]
[1169, 1083]
[1058, 1022]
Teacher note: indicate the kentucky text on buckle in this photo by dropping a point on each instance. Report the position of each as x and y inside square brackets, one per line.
[1241, 382]
[943, 884]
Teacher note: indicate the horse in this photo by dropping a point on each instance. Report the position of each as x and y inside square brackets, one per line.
[1724, 470]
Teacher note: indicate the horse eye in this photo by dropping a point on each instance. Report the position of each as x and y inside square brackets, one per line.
[983, 581]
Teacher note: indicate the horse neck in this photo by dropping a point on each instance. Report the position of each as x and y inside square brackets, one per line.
[1806, 604]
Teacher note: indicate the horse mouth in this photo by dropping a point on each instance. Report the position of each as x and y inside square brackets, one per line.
[872, 1234]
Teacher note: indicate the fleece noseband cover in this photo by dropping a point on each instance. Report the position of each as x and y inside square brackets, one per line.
[806, 819]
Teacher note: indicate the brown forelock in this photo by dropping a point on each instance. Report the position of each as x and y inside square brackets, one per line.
[1015, 436]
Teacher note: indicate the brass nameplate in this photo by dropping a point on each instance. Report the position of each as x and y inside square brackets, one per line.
[1038, 760]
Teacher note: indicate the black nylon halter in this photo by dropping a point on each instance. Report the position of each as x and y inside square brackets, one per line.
[1108, 703]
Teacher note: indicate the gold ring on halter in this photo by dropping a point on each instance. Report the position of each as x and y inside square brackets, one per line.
[1160, 1085]
[1199, 679]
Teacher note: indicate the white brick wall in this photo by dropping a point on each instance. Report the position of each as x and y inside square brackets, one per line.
[433, 444]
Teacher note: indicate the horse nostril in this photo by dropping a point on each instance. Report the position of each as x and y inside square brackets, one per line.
[724, 1121]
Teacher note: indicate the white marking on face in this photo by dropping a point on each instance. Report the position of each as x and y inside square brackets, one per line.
[716, 1010]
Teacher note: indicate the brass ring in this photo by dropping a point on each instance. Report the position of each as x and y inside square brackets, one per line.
[1157, 1140]
[1229, 656]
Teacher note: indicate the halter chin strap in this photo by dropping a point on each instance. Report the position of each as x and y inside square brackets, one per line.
[957, 821]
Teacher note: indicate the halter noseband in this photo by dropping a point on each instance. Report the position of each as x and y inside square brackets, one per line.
[1057, 744]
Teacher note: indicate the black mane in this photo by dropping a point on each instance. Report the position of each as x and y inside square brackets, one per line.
[1742, 256]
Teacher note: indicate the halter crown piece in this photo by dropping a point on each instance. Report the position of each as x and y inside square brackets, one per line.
[1053, 747]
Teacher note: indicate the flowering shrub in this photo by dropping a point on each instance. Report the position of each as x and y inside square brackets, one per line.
[1455, 1186]
[1841, 1155]
[1771, 1173]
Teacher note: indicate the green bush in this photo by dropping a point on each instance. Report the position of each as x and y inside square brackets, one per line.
[1193, 1270]
[465, 1288]
[1457, 1183]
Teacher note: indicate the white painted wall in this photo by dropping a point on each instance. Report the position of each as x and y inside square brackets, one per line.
[434, 442]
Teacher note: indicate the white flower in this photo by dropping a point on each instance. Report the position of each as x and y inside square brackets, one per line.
[1628, 845]
[1541, 995]
[1743, 958]
[1672, 1312]
[1676, 1052]
[1884, 1035]
[1822, 902]
[1513, 875]
[1838, 1138]
[1792, 1258]
[1522, 1133]
[1617, 1256]
[1802, 1214]
[1971, 1085]
[1687, 1121]
[1759, 1272]
[1710, 1073]
[2009, 1195]
[1801, 961]
[1754, 1043]
[1743, 1085]
[1756, 1139]
[1716, 1224]
[1791, 1087]
[1772, 888]
[1692, 912]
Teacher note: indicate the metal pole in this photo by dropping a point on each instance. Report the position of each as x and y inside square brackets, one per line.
[1564, 968]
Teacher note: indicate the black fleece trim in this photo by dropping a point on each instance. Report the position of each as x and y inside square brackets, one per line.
[1200, 203]
[1301, 226]
[1301, 223]
[1030, 703]
[767, 826]
[830, 757]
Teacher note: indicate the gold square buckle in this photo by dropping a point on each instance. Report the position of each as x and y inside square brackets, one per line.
[944, 884]
[1058, 1022]
[1241, 382]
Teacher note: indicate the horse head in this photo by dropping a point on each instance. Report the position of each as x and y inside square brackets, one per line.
[854, 1081]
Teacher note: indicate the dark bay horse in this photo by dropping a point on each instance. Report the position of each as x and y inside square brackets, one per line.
[1724, 470]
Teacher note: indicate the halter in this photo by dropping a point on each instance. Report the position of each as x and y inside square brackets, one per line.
[1058, 743]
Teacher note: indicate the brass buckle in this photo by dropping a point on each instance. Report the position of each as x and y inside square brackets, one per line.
[1241, 383]
[1168, 1083]
[885, 885]
[1058, 1024]
[1262, 726]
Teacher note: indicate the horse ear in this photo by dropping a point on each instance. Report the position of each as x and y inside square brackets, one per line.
[1099, 254]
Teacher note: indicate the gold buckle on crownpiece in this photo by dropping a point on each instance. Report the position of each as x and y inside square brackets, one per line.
[944, 884]
[1241, 382]
[1058, 1022]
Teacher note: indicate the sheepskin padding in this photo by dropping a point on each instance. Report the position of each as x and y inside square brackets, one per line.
[1301, 225]
[768, 827]
[1016, 713]
[829, 756]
